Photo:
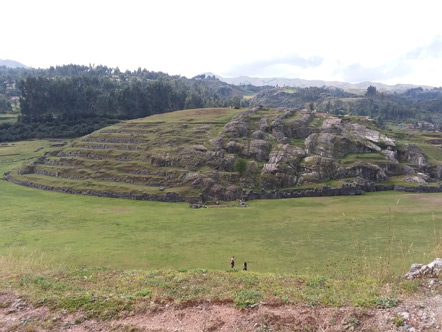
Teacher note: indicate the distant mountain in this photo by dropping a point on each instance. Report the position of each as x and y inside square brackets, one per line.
[12, 64]
[301, 83]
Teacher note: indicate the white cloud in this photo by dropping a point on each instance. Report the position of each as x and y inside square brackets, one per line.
[382, 40]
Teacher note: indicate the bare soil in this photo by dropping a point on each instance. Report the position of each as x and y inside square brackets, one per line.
[416, 313]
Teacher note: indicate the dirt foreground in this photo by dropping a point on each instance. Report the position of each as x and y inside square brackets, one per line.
[422, 313]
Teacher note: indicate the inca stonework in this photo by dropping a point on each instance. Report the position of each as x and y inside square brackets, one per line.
[189, 156]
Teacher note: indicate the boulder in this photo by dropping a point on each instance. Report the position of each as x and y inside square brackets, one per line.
[390, 155]
[407, 169]
[234, 147]
[432, 270]
[199, 147]
[238, 126]
[283, 127]
[419, 178]
[319, 168]
[235, 129]
[259, 150]
[413, 154]
[332, 145]
[258, 134]
[217, 142]
[263, 124]
[284, 154]
[338, 137]
[371, 135]
[367, 171]
[436, 172]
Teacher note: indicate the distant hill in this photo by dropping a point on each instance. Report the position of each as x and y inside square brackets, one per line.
[12, 64]
[301, 83]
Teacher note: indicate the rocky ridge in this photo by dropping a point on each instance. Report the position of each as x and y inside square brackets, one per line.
[191, 156]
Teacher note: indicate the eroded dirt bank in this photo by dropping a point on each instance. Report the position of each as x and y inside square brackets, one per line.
[419, 313]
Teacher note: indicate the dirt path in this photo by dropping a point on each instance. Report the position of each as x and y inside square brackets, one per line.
[413, 314]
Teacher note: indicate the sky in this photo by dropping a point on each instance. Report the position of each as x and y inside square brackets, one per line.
[354, 41]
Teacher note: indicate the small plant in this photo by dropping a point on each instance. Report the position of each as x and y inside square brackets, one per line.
[265, 328]
[398, 321]
[317, 282]
[410, 286]
[240, 166]
[144, 292]
[386, 302]
[5, 304]
[42, 282]
[247, 298]
[351, 323]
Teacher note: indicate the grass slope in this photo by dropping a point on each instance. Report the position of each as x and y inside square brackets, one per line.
[120, 158]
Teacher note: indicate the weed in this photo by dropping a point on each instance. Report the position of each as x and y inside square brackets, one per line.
[144, 292]
[264, 328]
[350, 323]
[398, 321]
[386, 302]
[42, 282]
[247, 298]
[410, 286]
[317, 282]
[125, 328]
[5, 304]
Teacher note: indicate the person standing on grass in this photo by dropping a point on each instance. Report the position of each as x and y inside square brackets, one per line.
[232, 262]
[245, 266]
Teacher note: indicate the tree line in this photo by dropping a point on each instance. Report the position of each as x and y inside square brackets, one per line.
[81, 99]
[86, 98]
[108, 93]
[412, 105]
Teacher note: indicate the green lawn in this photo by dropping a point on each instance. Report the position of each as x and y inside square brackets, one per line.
[13, 154]
[309, 235]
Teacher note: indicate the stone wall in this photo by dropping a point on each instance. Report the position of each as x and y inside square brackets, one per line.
[345, 190]
[246, 195]
[170, 197]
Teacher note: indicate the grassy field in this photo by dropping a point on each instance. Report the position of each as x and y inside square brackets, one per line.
[99, 257]
[326, 235]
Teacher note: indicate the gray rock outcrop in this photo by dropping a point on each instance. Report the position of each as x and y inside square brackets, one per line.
[433, 270]
[282, 148]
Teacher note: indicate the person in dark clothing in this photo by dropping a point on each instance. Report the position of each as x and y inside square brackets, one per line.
[232, 261]
[245, 266]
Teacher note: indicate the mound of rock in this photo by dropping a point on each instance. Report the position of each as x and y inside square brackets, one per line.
[431, 270]
[193, 159]
[338, 137]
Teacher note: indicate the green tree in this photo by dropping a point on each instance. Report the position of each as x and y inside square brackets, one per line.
[236, 102]
[371, 91]
[240, 166]
[5, 104]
